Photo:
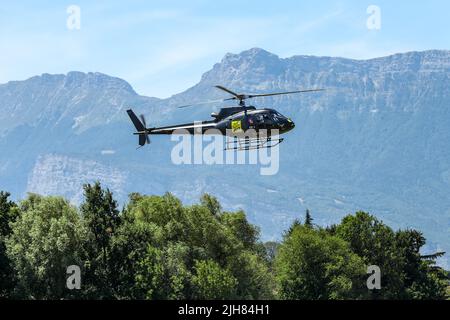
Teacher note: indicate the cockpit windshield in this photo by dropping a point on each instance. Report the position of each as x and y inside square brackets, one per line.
[277, 116]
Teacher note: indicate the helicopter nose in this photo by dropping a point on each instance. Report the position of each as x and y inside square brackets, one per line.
[291, 124]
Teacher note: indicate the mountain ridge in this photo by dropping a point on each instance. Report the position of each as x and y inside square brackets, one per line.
[244, 54]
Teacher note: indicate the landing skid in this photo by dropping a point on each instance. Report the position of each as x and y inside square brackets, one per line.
[243, 144]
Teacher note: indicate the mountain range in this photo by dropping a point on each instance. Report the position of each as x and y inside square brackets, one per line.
[376, 140]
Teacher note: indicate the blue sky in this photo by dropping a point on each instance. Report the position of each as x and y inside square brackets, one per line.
[163, 47]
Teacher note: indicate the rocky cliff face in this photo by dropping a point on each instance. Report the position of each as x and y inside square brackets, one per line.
[61, 175]
[376, 140]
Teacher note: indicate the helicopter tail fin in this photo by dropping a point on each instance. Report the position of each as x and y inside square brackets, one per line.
[137, 123]
[140, 128]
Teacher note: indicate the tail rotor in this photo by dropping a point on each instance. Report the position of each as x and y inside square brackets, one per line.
[141, 128]
[147, 138]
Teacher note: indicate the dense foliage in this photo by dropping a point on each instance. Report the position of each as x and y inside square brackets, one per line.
[157, 248]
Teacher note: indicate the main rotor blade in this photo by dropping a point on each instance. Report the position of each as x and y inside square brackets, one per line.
[238, 96]
[242, 97]
[204, 102]
[281, 93]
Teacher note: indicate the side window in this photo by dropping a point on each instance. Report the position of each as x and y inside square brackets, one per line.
[259, 118]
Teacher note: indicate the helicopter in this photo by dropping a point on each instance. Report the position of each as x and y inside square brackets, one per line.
[250, 127]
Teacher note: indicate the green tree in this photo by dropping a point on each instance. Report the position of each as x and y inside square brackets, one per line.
[405, 273]
[129, 247]
[212, 282]
[295, 224]
[375, 243]
[45, 240]
[101, 218]
[163, 273]
[313, 265]
[153, 260]
[448, 287]
[422, 278]
[270, 251]
[8, 214]
[308, 219]
[180, 236]
[244, 231]
[255, 281]
[211, 203]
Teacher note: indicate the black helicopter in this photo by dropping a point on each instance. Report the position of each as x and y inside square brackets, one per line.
[250, 127]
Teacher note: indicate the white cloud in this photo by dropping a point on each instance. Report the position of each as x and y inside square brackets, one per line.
[108, 152]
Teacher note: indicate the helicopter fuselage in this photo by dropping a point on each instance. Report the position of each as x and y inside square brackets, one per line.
[239, 122]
